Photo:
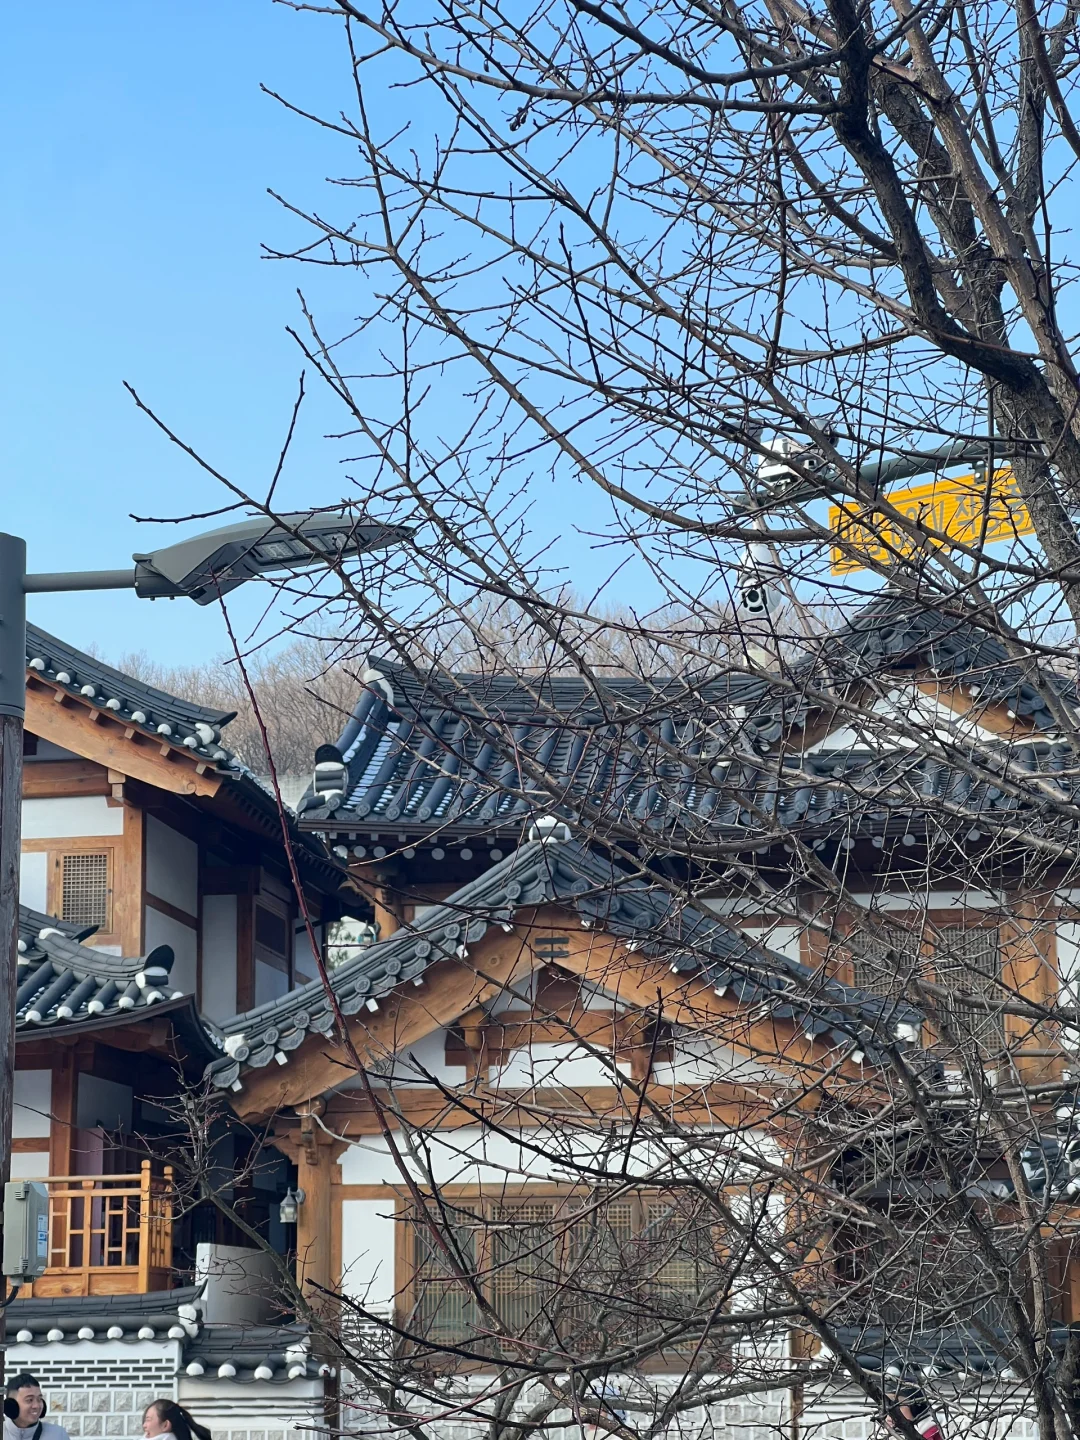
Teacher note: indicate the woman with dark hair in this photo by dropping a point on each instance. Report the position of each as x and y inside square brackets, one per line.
[165, 1417]
[912, 1405]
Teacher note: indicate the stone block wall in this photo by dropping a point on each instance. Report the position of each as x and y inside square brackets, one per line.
[95, 1412]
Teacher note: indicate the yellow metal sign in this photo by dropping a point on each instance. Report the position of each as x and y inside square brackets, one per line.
[956, 507]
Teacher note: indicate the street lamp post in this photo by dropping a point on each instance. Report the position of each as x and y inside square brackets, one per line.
[202, 568]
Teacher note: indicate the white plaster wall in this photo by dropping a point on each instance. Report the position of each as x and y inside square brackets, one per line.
[412, 1066]
[172, 866]
[29, 1164]
[368, 1234]
[67, 818]
[698, 1060]
[164, 930]
[270, 983]
[935, 900]
[34, 880]
[305, 965]
[33, 1102]
[552, 1064]
[1068, 960]
[474, 1156]
[219, 956]
[786, 939]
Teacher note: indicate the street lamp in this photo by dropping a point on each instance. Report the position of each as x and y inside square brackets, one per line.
[202, 568]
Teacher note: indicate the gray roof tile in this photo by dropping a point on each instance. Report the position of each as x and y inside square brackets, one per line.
[61, 981]
[670, 754]
[564, 873]
[196, 727]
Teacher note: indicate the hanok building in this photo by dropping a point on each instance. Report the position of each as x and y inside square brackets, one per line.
[158, 901]
[496, 863]
[492, 822]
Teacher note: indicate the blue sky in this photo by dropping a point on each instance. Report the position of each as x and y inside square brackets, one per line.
[138, 154]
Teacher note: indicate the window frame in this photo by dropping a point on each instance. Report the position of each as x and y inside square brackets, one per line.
[945, 919]
[55, 850]
[407, 1273]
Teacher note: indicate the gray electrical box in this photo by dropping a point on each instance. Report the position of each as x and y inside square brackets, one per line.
[26, 1230]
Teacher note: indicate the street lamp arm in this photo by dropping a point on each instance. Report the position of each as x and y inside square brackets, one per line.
[143, 579]
[51, 582]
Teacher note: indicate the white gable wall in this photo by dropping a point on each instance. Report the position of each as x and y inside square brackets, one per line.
[71, 817]
[172, 866]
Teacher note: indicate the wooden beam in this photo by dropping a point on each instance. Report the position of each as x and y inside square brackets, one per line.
[174, 912]
[351, 1112]
[993, 717]
[49, 779]
[405, 1016]
[634, 978]
[95, 735]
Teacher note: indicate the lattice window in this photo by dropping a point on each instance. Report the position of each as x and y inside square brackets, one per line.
[567, 1269]
[967, 959]
[85, 889]
[883, 965]
[445, 1308]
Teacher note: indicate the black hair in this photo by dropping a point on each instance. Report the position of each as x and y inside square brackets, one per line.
[23, 1381]
[914, 1399]
[182, 1425]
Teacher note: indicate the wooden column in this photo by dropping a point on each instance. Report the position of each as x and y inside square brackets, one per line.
[316, 1161]
[129, 914]
[62, 1107]
[386, 911]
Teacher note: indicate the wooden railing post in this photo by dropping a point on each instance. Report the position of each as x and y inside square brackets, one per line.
[144, 1228]
[88, 1188]
[166, 1220]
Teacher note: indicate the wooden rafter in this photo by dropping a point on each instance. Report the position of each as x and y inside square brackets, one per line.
[53, 714]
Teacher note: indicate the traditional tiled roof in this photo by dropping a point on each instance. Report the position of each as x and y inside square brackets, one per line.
[31, 1321]
[900, 1351]
[893, 632]
[240, 1353]
[458, 760]
[33, 922]
[554, 871]
[196, 727]
[252, 1352]
[61, 982]
[434, 757]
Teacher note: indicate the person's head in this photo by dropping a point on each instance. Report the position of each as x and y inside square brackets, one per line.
[23, 1401]
[165, 1417]
[909, 1404]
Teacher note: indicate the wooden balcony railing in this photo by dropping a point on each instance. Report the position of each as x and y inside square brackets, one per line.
[108, 1234]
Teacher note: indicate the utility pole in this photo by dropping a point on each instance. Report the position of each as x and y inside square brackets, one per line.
[12, 710]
